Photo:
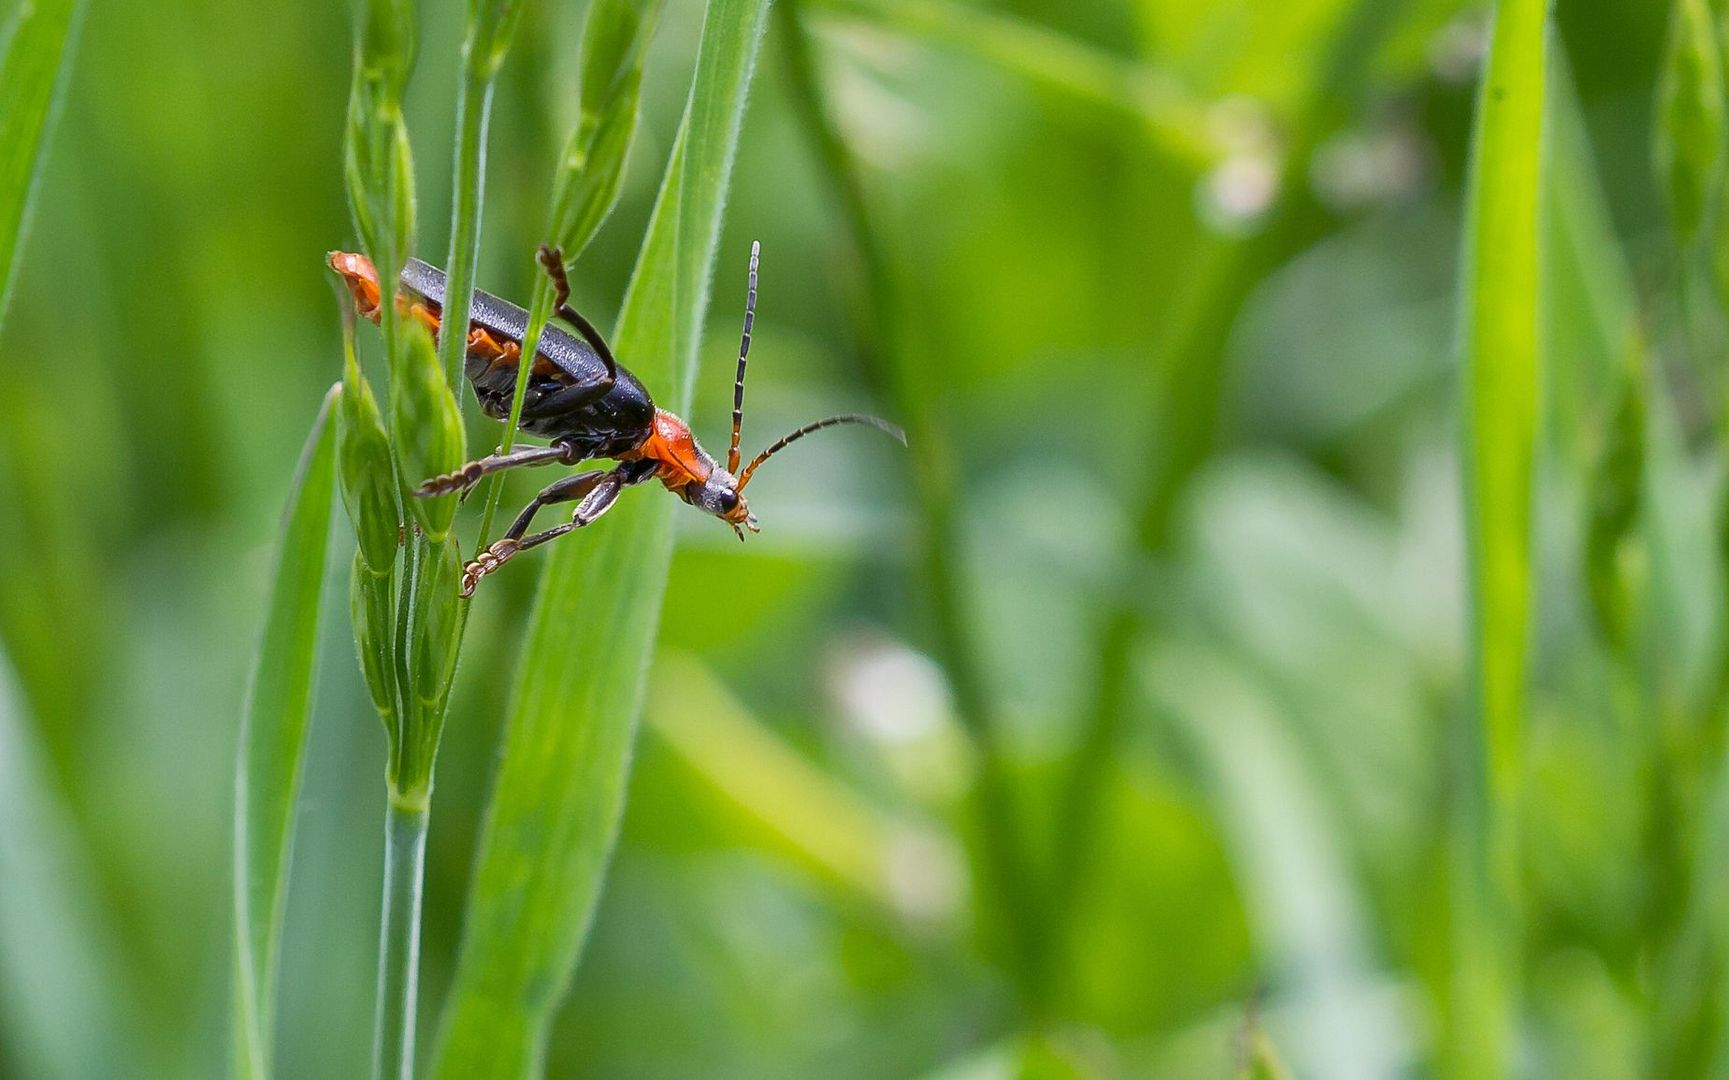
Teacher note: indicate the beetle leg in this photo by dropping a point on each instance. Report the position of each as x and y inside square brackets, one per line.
[597, 492]
[465, 478]
[552, 259]
[570, 489]
[565, 397]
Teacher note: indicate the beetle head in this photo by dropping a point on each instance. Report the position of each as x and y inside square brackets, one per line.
[720, 496]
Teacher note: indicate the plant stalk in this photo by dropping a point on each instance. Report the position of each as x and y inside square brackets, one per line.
[405, 825]
[473, 118]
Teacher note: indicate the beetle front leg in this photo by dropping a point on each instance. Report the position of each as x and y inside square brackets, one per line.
[465, 478]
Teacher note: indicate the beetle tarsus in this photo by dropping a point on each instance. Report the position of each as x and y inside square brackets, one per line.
[486, 562]
[462, 480]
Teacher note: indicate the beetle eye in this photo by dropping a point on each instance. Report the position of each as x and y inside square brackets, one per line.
[727, 500]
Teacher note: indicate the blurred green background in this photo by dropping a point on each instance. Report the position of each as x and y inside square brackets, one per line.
[1223, 236]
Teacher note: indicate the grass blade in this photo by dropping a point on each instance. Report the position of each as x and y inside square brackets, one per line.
[1499, 362]
[272, 741]
[560, 786]
[58, 1010]
[35, 52]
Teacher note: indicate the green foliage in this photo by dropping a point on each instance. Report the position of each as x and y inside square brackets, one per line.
[273, 743]
[36, 44]
[1146, 655]
[560, 785]
[586, 189]
[1690, 131]
[63, 1012]
[1615, 497]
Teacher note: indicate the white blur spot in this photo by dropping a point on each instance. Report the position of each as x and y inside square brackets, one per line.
[926, 878]
[1235, 195]
[1456, 51]
[1357, 169]
[896, 704]
[890, 693]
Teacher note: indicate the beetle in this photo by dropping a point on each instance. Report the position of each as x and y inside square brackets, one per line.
[583, 402]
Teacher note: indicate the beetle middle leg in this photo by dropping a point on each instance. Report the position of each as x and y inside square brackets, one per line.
[469, 475]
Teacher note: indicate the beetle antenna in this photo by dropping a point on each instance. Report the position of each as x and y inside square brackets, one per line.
[817, 425]
[743, 355]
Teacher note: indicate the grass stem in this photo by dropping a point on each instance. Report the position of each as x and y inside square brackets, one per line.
[405, 825]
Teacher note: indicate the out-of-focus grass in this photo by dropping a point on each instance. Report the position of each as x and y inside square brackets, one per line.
[884, 312]
[62, 1009]
[36, 43]
[273, 742]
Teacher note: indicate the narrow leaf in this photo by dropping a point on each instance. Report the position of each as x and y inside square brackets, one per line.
[272, 742]
[560, 786]
[36, 46]
[1499, 359]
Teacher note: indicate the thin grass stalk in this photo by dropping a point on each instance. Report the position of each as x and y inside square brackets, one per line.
[879, 336]
[399, 941]
[1500, 362]
[490, 32]
[491, 29]
[417, 652]
[586, 183]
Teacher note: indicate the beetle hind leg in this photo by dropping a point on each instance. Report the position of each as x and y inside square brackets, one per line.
[552, 260]
[597, 491]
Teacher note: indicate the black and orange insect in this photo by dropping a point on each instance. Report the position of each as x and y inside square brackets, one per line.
[583, 402]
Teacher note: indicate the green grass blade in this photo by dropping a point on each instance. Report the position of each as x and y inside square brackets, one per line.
[272, 741]
[1499, 362]
[35, 59]
[59, 1013]
[560, 786]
